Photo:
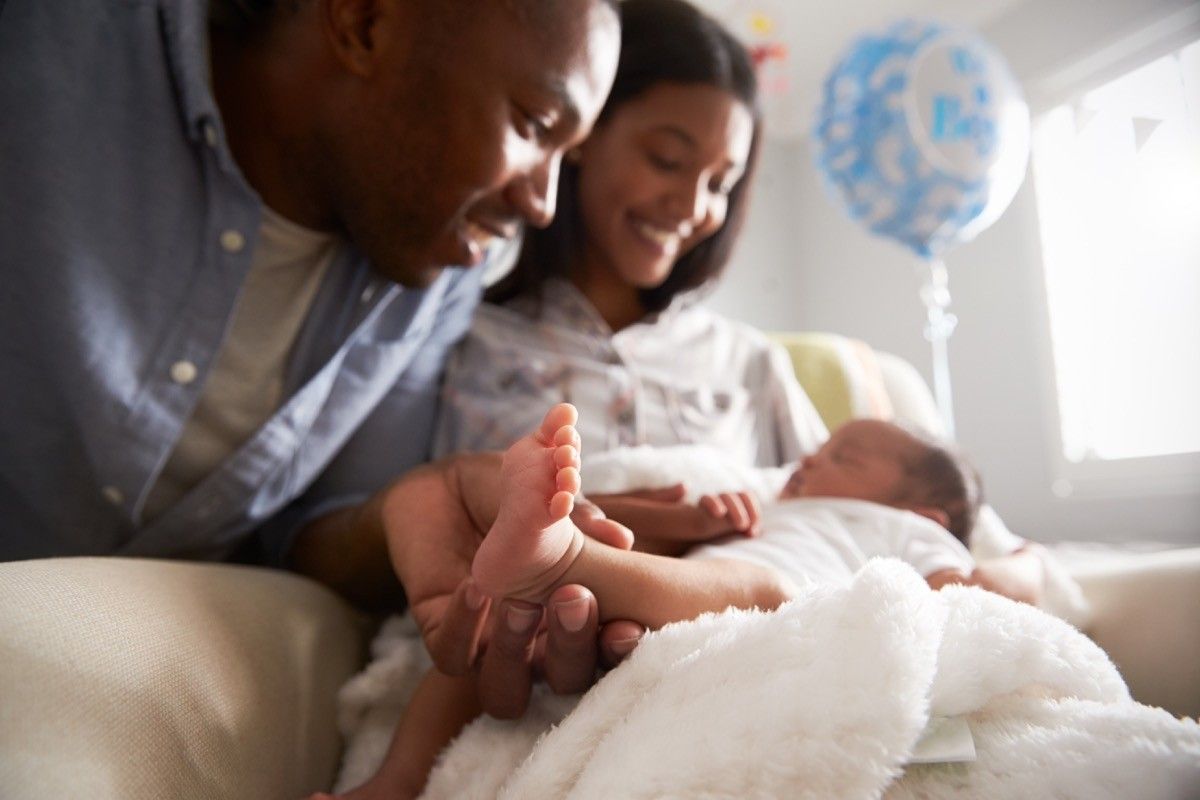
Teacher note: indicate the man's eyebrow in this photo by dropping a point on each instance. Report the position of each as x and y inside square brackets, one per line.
[567, 107]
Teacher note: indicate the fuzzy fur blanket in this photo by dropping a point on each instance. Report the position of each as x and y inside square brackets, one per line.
[823, 698]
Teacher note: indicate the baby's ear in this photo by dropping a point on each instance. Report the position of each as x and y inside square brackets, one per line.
[934, 513]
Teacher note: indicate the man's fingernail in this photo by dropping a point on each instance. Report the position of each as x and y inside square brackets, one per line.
[520, 620]
[623, 646]
[573, 614]
[474, 597]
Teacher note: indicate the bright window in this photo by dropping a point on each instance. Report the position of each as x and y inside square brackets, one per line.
[1117, 176]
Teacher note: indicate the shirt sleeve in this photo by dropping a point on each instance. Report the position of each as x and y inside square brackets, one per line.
[394, 438]
[499, 382]
[930, 548]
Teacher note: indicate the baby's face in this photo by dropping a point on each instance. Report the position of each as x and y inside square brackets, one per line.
[865, 459]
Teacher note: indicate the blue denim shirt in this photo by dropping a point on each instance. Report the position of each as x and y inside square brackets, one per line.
[126, 231]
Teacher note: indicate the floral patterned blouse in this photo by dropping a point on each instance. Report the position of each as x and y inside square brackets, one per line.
[683, 376]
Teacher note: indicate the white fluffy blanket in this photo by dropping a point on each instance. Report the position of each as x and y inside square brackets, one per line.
[823, 698]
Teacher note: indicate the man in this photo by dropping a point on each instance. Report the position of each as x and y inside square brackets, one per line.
[223, 233]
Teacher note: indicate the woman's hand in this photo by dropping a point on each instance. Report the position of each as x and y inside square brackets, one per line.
[731, 512]
[665, 525]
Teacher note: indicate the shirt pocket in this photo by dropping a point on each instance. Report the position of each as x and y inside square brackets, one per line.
[708, 415]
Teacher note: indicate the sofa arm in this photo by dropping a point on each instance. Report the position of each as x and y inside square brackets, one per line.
[133, 679]
[1146, 616]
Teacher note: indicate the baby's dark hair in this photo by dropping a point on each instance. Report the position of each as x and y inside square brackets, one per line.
[942, 477]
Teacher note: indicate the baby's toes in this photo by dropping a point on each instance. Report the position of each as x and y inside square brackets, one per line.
[561, 505]
[561, 416]
[567, 480]
[566, 456]
[567, 435]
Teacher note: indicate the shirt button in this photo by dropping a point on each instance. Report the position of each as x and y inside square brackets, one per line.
[233, 241]
[210, 134]
[183, 372]
[367, 294]
[113, 495]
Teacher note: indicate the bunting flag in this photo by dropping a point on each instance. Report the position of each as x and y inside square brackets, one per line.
[1143, 129]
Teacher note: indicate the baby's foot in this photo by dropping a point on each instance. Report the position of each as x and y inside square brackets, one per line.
[533, 541]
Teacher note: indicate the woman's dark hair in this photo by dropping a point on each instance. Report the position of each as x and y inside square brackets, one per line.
[662, 41]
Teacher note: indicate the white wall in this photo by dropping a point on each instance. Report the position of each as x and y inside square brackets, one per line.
[804, 266]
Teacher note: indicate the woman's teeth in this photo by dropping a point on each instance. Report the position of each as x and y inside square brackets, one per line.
[666, 239]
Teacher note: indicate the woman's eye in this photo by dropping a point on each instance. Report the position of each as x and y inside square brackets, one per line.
[723, 187]
[664, 163]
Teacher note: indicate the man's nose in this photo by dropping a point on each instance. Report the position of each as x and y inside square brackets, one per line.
[535, 195]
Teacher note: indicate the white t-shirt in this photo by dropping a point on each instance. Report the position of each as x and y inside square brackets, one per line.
[683, 376]
[244, 386]
[827, 539]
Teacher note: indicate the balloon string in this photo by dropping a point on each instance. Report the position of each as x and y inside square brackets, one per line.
[935, 293]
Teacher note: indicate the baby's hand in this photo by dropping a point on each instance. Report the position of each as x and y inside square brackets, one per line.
[730, 512]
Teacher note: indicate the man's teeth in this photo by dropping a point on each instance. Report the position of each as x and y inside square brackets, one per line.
[663, 238]
[478, 233]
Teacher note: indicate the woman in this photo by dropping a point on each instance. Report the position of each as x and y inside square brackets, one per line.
[600, 308]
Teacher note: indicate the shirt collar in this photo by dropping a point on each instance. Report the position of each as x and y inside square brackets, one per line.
[185, 34]
[563, 304]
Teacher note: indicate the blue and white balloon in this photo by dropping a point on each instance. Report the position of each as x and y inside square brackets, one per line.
[924, 134]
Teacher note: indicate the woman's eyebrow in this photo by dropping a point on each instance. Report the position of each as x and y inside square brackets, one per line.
[690, 141]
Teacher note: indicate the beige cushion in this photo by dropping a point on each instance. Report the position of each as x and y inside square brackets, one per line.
[1146, 616]
[146, 679]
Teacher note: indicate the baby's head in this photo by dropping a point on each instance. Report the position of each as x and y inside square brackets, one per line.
[869, 459]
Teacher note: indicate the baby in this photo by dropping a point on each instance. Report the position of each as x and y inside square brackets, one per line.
[874, 489]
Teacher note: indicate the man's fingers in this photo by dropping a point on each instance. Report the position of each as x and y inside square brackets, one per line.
[454, 644]
[571, 622]
[505, 675]
[617, 641]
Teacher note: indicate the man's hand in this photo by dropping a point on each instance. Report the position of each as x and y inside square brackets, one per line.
[434, 519]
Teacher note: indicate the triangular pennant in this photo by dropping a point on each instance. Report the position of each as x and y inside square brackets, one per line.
[1143, 129]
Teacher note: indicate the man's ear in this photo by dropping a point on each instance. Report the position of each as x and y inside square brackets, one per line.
[357, 30]
[934, 513]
